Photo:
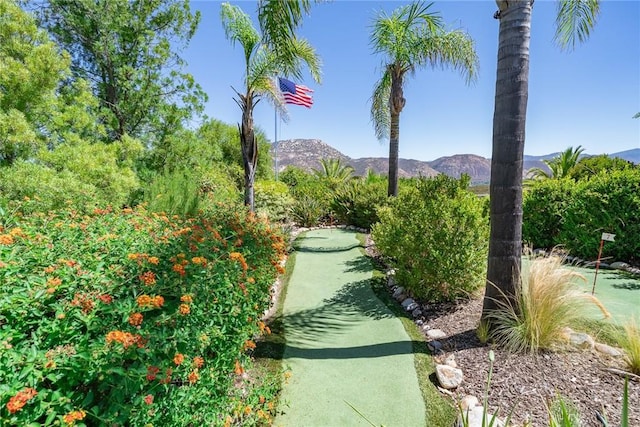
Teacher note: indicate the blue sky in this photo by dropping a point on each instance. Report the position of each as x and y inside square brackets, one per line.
[583, 97]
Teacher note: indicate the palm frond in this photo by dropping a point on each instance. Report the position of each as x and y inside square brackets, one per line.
[280, 19]
[574, 21]
[238, 28]
[380, 112]
[303, 54]
[454, 49]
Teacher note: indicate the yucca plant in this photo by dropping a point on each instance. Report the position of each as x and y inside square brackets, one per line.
[547, 301]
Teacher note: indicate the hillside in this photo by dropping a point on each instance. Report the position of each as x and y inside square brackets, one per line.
[307, 153]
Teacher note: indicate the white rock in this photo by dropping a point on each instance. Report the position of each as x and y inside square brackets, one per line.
[451, 361]
[476, 415]
[436, 334]
[468, 402]
[619, 265]
[608, 350]
[449, 377]
[581, 340]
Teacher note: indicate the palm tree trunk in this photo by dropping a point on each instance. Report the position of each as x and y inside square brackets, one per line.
[396, 104]
[512, 87]
[249, 147]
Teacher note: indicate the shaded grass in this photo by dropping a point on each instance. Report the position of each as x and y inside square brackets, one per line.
[439, 411]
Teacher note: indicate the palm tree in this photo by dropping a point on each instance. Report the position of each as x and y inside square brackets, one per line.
[334, 172]
[410, 38]
[574, 21]
[560, 166]
[262, 64]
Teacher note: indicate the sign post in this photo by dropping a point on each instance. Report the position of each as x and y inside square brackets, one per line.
[605, 237]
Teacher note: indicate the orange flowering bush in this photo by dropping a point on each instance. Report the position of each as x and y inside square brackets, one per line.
[131, 318]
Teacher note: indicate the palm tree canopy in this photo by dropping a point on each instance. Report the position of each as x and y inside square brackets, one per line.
[412, 37]
[334, 169]
[262, 63]
[574, 21]
[560, 166]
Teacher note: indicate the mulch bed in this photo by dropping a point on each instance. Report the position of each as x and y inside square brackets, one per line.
[530, 381]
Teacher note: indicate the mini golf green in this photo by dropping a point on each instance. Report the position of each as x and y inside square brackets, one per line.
[344, 348]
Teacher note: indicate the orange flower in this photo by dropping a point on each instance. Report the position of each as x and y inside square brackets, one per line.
[125, 338]
[53, 282]
[135, 319]
[238, 368]
[199, 261]
[20, 399]
[107, 299]
[148, 278]
[148, 399]
[144, 301]
[152, 372]
[157, 301]
[178, 359]
[198, 362]
[50, 269]
[251, 280]
[153, 260]
[237, 256]
[74, 416]
[188, 299]
[6, 239]
[179, 268]
[261, 325]
[193, 377]
[247, 410]
[184, 309]
[249, 345]
[262, 400]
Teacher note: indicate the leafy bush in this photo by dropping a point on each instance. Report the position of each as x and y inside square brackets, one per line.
[547, 302]
[308, 211]
[174, 193]
[309, 192]
[544, 206]
[356, 202]
[608, 202]
[273, 200]
[133, 318]
[435, 236]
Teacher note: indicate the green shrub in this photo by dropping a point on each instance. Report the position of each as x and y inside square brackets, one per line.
[357, 201]
[608, 202]
[308, 211]
[435, 236]
[309, 192]
[273, 200]
[174, 193]
[133, 318]
[544, 206]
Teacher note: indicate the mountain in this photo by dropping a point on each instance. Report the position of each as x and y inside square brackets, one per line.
[307, 153]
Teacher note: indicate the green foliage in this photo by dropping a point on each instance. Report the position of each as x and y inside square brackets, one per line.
[273, 200]
[608, 202]
[544, 207]
[356, 203]
[590, 166]
[629, 340]
[435, 236]
[563, 413]
[561, 166]
[132, 318]
[175, 193]
[128, 51]
[308, 211]
[312, 196]
[334, 172]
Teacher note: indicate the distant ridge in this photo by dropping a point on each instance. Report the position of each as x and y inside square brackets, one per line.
[307, 153]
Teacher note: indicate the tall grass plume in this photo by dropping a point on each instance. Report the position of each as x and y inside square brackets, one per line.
[546, 302]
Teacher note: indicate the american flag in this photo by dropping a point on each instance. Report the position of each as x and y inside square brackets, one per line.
[295, 94]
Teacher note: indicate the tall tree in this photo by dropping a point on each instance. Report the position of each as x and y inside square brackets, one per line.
[575, 18]
[262, 64]
[560, 166]
[128, 49]
[411, 38]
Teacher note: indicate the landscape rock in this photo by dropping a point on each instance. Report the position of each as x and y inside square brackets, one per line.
[435, 346]
[416, 314]
[398, 292]
[391, 281]
[608, 350]
[477, 418]
[618, 265]
[451, 361]
[468, 402]
[449, 377]
[581, 340]
[409, 302]
[436, 334]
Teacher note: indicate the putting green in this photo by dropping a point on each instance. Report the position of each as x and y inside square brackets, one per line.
[344, 348]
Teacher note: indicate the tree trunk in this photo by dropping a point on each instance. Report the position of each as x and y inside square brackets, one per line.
[509, 118]
[396, 104]
[249, 147]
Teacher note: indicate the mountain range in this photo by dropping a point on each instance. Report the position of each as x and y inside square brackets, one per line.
[307, 153]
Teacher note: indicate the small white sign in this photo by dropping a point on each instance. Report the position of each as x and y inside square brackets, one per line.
[608, 237]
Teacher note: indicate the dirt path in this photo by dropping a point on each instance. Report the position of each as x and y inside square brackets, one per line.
[344, 348]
